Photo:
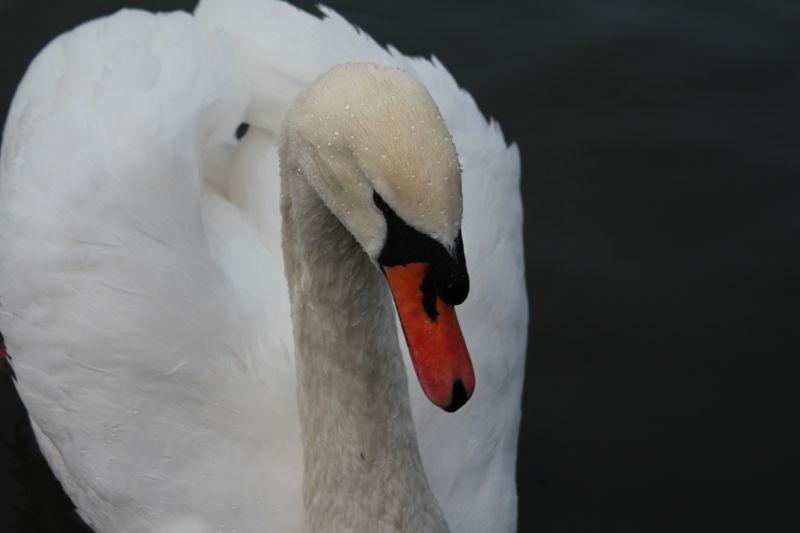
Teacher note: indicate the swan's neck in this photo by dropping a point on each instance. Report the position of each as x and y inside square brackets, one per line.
[362, 465]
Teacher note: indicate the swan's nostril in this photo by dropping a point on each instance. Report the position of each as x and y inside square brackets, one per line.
[459, 397]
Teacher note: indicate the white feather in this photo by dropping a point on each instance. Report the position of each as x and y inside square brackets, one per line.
[142, 287]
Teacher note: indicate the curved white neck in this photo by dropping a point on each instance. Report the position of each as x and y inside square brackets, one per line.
[362, 466]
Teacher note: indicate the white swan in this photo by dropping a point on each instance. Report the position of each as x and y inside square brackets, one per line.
[143, 295]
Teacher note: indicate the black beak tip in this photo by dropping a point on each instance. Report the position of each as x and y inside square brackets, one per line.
[458, 399]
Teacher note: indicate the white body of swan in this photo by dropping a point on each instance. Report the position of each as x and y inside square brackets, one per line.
[143, 296]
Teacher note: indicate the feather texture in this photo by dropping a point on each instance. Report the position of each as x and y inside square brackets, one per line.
[142, 286]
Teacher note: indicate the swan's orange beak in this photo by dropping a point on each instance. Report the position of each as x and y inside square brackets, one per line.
[434, 337]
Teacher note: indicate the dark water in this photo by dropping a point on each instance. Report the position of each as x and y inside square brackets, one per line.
[660, 152]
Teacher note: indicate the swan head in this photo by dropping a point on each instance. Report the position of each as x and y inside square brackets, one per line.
[372, 144]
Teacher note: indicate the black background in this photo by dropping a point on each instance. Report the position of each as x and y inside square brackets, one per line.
[660, 178]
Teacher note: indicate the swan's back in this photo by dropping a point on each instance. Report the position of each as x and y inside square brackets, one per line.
[132, 353]
[135, 301]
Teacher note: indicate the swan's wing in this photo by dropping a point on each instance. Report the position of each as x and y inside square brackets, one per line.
[132, 346]
[470, 457]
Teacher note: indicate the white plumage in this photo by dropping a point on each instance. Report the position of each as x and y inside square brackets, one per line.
[141, 276]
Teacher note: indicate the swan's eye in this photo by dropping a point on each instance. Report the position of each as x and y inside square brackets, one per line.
[405, 245]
